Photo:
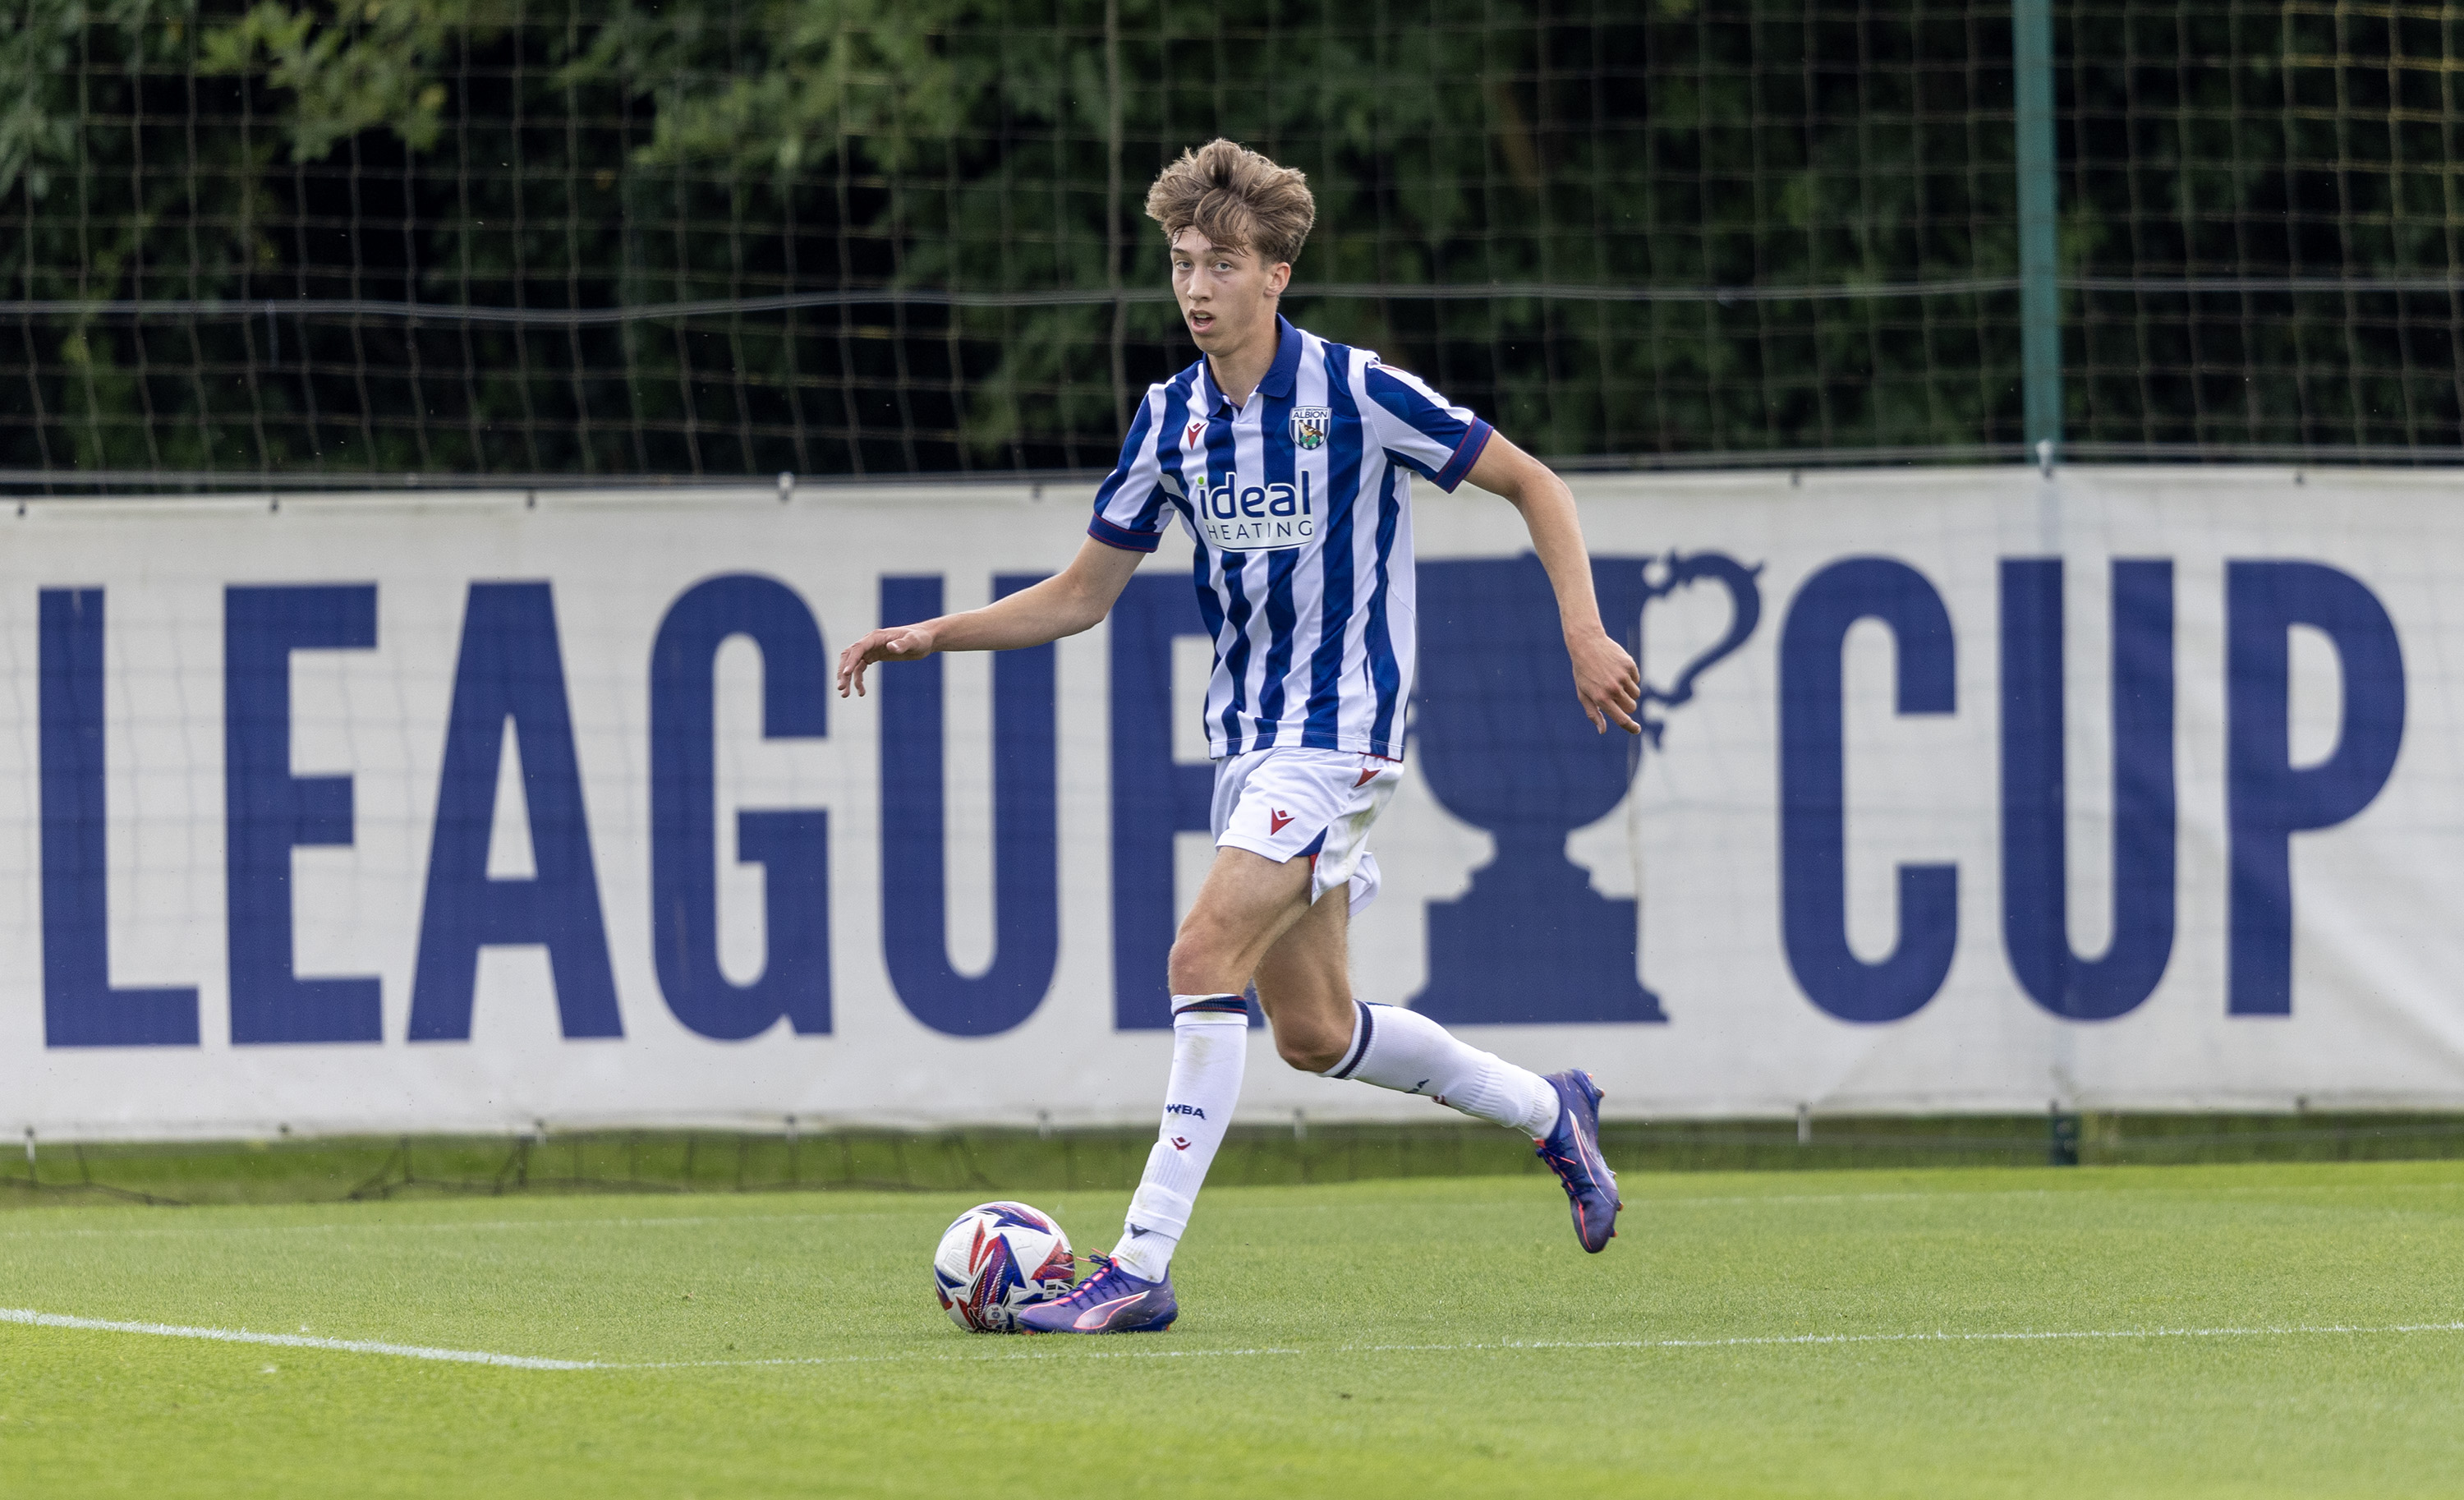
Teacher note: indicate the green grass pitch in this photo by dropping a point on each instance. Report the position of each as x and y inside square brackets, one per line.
[2182, 1331]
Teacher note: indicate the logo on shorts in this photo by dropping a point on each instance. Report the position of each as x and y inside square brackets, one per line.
[1275, 822]
[1309, 424]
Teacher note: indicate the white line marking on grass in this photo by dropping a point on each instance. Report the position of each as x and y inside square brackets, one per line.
[1535, 1344]
[1942, 1337]
[29, 1317]
[241, 1336]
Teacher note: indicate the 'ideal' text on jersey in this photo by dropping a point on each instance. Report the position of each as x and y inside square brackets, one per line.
[1238, 517]
[1299, 505]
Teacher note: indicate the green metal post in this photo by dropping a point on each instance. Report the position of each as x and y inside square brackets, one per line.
[2040, 306]
[2061, 1136]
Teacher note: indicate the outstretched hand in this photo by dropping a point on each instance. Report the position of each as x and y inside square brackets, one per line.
[892, 643]
[1607, 680]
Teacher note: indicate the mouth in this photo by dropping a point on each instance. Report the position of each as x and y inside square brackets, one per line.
[1200, 322]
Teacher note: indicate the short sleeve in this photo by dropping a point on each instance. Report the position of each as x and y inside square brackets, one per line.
[1129, 505]
[1420, 428]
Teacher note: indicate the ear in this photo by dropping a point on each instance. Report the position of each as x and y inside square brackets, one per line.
[1278, 277]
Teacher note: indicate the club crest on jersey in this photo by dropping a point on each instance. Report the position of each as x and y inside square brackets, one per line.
[1309, 424]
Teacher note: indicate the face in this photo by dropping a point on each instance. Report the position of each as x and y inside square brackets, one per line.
[1227, 297]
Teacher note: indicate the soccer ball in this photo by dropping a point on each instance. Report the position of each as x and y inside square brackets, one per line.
[995, 1259]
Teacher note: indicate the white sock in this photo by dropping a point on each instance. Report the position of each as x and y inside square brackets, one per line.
[1210, 1048]
[1396, 1049]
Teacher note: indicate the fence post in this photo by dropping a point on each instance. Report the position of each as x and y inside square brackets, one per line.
[2040, 301]
[2061, 1136]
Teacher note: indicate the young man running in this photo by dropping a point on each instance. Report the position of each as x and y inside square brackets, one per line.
[1289, 459]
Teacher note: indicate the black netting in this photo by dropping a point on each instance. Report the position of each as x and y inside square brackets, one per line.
[726, 237]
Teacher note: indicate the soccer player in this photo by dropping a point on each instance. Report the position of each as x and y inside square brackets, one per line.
[1289, 460]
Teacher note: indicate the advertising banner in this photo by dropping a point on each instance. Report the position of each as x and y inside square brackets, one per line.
[1959, 790]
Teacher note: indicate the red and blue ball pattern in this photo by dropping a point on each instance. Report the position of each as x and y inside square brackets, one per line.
[997, 1258]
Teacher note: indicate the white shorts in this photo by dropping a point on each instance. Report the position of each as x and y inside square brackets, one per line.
[1285, 804]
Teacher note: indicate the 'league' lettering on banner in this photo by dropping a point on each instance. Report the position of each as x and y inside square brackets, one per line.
[1953, 793]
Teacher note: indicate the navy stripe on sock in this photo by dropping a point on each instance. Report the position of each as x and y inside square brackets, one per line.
[1360, 1046]
[1216, 1005]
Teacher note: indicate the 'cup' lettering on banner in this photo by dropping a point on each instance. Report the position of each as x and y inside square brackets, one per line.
[2123, 789]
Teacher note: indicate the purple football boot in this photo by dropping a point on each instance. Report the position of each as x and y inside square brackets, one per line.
[1110, 1301]
[1573, 1151]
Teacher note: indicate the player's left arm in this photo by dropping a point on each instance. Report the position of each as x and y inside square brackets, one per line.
[1605, 677]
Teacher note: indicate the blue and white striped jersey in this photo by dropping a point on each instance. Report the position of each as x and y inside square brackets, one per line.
[1300, 504]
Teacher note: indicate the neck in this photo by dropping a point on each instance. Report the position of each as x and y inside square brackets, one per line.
[1236, 372]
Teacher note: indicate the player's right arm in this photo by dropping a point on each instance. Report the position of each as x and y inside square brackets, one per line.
[1129, 522]
[1065, 603]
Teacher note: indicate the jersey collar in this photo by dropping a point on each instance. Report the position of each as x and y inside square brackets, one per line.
[1279, 376]
[1278, 382]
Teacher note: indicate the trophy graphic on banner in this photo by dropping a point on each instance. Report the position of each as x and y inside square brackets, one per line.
[1504, 746]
